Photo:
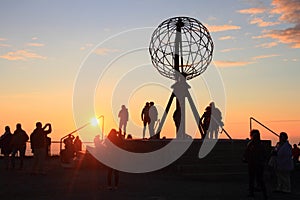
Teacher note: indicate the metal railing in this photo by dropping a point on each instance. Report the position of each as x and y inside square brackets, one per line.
[226, 133]
[85, 125]
[253, 119]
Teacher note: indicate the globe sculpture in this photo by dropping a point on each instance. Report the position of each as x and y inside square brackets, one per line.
[185, 38]
[181, 48]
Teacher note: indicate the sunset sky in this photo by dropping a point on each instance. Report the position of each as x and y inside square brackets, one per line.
[45, 45]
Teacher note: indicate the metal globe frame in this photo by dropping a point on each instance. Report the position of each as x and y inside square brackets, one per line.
[181, 48]
[185, 38]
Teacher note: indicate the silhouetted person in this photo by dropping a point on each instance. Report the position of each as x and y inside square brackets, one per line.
[205, 120]
[129, 137]
[5, 145]
[48, 149]
[38, 140]
[284, 164]
[68, 153]
[145, 117]
[18, 143]
[255, 156]
[123, 115]
[177, 119]
[215, 122]
[114, 137]
[77, 145]
[153, 118]
[295, 154]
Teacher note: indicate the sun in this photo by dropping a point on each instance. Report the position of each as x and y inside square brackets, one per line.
[94, 121]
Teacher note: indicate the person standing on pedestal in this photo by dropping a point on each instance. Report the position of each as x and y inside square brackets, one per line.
[153, 118]
[123, 115]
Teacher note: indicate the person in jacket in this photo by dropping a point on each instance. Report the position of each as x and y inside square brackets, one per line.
[255, 156]
[18, 143]
[38, 140]
[284, 163]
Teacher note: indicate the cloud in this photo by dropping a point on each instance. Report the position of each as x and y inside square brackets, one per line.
[3, 39]
[105, 51]
[265, 56]
[34, 38]
[88, 45]
[290, 36]
[21, 55]
[226, 27]
[226, 38]
[35, 44]
[5, 45]
[226, 63]
[288, 9]
[267, 45]
[289, 13]
[261, 23]
[252, 11]
[230, 49]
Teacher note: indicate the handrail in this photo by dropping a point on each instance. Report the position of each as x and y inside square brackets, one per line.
[85, 125]
[221, 125]
[251, 118]
[223, 130]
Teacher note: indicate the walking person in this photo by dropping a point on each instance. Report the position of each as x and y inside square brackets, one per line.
[255, 156]
[5, 145]
[18, 143]
[153, 118]
[123, 115]
[38, 139]
[284, 164]
[145, 117]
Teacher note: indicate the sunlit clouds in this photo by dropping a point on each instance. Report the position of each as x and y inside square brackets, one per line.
[228, 37]
[252, 11]
[225, 27]
[267, 45]
[282, 12]
[31, 44]
[105, 51]
[22, 55]
[261, 23]
[224, 63]
[230, 49]
[265, 56]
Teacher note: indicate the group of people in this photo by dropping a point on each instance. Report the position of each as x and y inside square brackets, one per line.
[280, 161]
[149, 116]
[12, 143]
[73, 145]
[210, 122]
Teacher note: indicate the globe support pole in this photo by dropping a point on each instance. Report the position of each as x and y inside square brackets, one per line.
[179, 86]
[181, 49]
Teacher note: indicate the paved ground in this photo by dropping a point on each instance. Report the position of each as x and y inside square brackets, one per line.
[90, 183]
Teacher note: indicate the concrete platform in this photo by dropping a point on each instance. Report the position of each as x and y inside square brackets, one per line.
[187, 178]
